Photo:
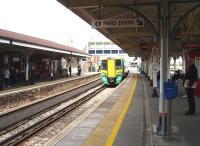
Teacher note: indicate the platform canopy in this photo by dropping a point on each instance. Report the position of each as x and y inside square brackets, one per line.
[134, 25]
[12, 41]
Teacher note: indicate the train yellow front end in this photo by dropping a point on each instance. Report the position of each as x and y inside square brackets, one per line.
[112, 71]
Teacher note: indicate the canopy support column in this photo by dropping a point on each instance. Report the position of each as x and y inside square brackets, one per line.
[164, 22]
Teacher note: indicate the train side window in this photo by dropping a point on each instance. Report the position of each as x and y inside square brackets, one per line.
[104, 65]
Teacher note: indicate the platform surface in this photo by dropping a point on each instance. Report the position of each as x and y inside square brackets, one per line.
[127, 118]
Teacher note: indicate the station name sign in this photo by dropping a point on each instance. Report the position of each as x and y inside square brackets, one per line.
[112, 23]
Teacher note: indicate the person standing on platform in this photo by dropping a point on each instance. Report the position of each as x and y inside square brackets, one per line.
[32, 75]
[1, 81]
[12, 76]
[17, 74]
[79, 70]
[190, 82]
[7, 77]
[70, 71]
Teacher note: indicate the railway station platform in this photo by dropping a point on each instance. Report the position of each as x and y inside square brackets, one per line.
[22, 86]
[23, 94]
[127, 118]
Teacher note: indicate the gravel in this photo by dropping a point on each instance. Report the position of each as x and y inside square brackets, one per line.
[50, 132]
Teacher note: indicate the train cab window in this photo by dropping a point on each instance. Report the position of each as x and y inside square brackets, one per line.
[104, 64]
[118, 62]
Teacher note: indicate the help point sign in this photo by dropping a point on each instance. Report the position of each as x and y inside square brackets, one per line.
[111, 23]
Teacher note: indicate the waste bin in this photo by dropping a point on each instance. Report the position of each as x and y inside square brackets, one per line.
[170, 90]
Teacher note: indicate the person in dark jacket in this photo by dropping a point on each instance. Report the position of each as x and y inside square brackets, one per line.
[70, 71]
[79, 70]
[32, 75]
[1, 82]
[2, 78]
[190, 82]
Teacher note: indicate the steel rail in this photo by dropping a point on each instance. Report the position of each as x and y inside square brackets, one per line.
[17, 123]
[26, 133]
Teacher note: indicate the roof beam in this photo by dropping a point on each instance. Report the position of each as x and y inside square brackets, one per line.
[187, 33]
[134, 52]
[132, 48]
[133, 34]
[82, 4]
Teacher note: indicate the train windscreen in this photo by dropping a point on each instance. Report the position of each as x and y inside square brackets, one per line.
[118, 63]
[104, 65]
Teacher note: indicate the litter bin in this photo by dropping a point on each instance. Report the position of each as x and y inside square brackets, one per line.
[170, 90]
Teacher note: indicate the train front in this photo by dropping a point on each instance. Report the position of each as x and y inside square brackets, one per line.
[111, 71]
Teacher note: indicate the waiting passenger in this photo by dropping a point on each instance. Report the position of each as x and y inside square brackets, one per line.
[178, 74]
[7, 77]
[70, 71]
[79, 70]
[190, 82]
[32, 75]
[1, 82]
[2, 77]
[12, 75]
[17, 74]
[59, 68]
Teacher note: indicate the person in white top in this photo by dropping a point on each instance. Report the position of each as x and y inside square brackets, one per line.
[7, 77]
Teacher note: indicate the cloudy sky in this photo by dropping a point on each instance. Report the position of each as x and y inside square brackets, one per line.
[46, 19]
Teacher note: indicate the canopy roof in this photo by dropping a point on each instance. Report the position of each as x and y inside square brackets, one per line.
[14, 38]
[137, 41]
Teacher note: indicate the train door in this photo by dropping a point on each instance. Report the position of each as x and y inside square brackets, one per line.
[104, 67]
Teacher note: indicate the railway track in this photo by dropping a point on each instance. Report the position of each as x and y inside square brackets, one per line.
[22, 135]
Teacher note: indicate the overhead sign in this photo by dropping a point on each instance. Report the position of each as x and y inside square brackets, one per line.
[111, 23]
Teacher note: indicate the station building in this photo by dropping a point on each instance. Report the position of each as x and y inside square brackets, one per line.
[102, 49]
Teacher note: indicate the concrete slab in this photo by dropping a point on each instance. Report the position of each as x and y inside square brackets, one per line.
[90, 123]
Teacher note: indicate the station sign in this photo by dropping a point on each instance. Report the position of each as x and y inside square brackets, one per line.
[118, 23]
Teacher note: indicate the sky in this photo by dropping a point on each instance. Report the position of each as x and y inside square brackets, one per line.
[46, 19]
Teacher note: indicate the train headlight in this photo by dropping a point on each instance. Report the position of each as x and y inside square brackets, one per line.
[119, 73]
[104, 74]
[118, 67]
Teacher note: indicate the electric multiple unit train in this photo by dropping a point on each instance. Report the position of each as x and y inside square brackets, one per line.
[113, 71]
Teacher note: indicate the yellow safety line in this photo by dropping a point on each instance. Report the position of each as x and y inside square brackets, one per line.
[121, 116]
[107, 130]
